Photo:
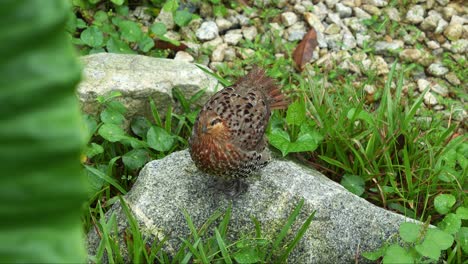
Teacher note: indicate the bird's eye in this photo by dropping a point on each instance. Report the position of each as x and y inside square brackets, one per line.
[215, 121]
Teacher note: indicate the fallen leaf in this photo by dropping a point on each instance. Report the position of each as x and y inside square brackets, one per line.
[304, 51]
[161, 44]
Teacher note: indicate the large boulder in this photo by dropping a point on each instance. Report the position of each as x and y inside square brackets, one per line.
[139, 78]
[344, 224]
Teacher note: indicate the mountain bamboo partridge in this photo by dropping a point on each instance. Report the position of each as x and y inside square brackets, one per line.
[228, 138]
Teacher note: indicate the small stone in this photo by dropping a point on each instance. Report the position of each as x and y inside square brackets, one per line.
[334, 41]
[243, 20]
[441, 26]
[453, 31]
[172, 35]
[194, 47]
[370, 89]
[410, 55]
[373, 10]
[430, 99]
[165, 18]
[443, 2]
[233, 36]
[343, 10]
[205, 9]
[288, 18]
[218, 53]
[322, 42]
[281, 3]
[320, 10]
[458, 20]
[393, 14]
[452, 78]
[300, 9]
[433, 45]
[334, 18]
[212, 43]
[361, 39]
[448, 12]
[249, 33]
[223, 24]
[439, 89]
[314, 21]
[331, 3]
[275, 29]
[415, 14]
[349, 42]
[295, 32]
[230, 54]
[423, 84]
[246, 53]
[207, 31]
[142, 14]
[355, 24]
[349, 3]
[332, 29]
[183, 56]
[215, 65]
[459, 46]
[380, 65]
[437, 69]
[430, 22]
[378, 3]
[361, 13]
[384, 47]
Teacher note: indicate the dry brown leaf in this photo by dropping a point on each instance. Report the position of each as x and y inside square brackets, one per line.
[304, 51]
[161, 44]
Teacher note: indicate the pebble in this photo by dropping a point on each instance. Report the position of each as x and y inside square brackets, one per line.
[439, 89]
[207, 31]
[295, 32]
[230, 54]
[320, 10]
[452, 78]
[361, 13]
[453, 31]
[349, 42]
[249, 33]
[355, 24]
[218, 53]
[373, 10]
[410, 55]
[384, 47]
[314, 21]
[370, 89]
[430, 22]
[437, 69]
[332, 29]
[423, 84]
[380, 65]
[184, 56]
[166, 18]
[361, 39]
[393, 14]
[246, 53]
[441, 26]
[223, 24]
[459, 46]
[232, 37]
[415, 14]
[288, 18]
[430, 99]
[334, 41]
[343, 11]
[378, 3]
[331, 3]
[433, 44]
[212, 43]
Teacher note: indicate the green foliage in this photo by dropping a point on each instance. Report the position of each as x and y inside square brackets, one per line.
[110, 29]
[42, 185]
[201, 245]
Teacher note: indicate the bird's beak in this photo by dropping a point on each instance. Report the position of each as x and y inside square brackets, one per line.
[204, 129]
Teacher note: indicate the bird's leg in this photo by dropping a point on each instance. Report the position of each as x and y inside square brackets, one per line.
[235, 187]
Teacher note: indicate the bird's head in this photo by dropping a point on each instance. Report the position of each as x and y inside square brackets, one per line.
[210, 124]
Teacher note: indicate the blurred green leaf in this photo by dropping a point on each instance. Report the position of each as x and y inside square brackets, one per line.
[93, 149]
[140, 126]
[111, 116]
[397, 254]
[443, 203]
[451, 224]
[92, 37]
[115, 45]
[463, 237]
[434, 242]
[135, 159]
[462, 212]
[159, 139]
[158, 28]
[353, 183]
[131, 31]
[296, 113]
[171, 6]
[247, 255]
[410, 232]
[40, 136]
[146, 43]
[118, 2]
[111, 132]
[182, 17]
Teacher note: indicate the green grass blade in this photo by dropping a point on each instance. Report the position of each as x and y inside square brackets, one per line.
[297, 238]
[287, 226]
[192, 250]
[182, 100]
[137, 242]
[222, 247]
[190, 224]
[108, 179]
[155, 113]
[225, 222]
[258, 228]
[220, 79]
[168, 121]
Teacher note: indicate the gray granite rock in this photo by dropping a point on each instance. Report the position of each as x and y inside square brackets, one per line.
[249, 33]
[384, 47]
[343, 11]
[139, 78]
[288, 18]
[415, 14]
[295, 32]
[344, 224]
[233, 36]
[437, 69]
[207, 31]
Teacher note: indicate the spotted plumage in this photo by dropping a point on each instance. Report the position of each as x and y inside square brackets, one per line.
[228, 138]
